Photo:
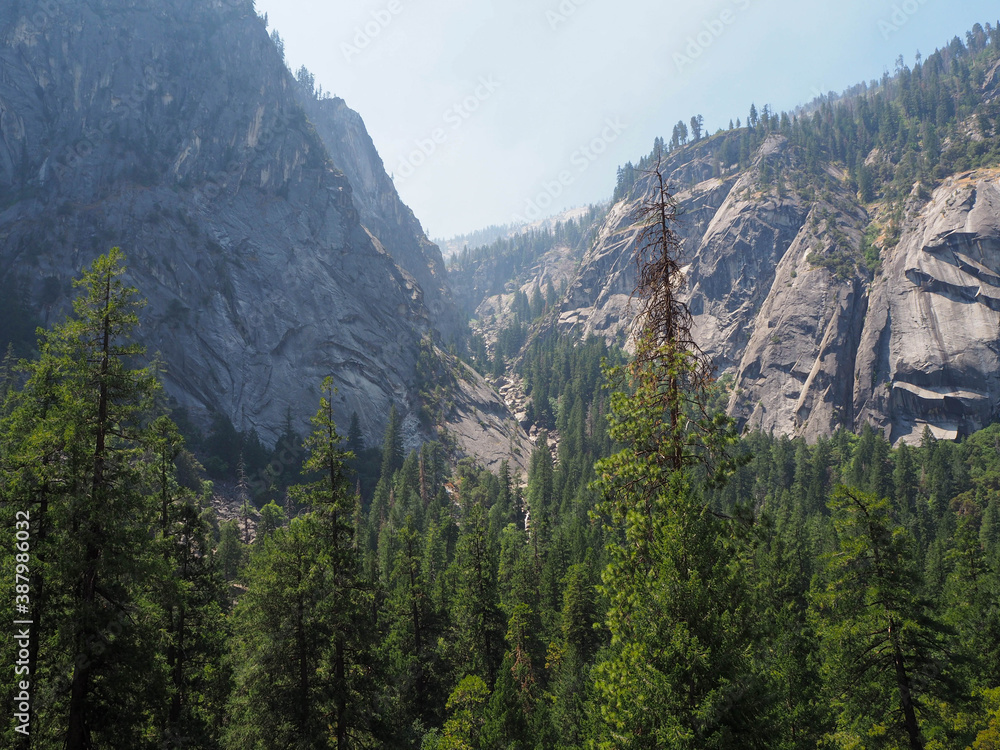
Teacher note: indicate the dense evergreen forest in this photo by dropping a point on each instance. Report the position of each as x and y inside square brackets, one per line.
[842, 594]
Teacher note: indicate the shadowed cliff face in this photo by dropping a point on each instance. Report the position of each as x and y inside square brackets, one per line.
[787, 308]
[382, 212]
[171, 128]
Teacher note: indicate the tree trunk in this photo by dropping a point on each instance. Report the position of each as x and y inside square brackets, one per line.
[302, 647]
[905, 696]
[414, 610]
[78, 734]
[175, 657]
[339, 672]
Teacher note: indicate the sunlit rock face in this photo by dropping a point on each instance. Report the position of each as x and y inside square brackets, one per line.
[929, 356]
[811, 339]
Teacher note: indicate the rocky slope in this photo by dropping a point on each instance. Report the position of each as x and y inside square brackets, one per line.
[784, 302]
[381, 210]
[930, 348]
[482, 425]
[273, 250]
[556, 267]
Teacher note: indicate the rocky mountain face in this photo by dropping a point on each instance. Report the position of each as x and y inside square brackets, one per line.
[930, 348]
[273, 249]
[783, 301]
[826, 297]
[260, 223]
[382, 211]
[479, 422]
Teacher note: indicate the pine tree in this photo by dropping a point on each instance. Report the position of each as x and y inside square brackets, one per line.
[970, 594]
[192, 598]
[272, 517]
[884, 654]
[518, 713]
[466, 708]
[412, 633]
[679, 640]
[355, 440]
[905, 482]
[282, 626]
[539, 496]
[30, 458]
[571, 657]
[392, 446]
[333, 505]
[303, 629]
[231, 552]
[866, 185]
[477, 616]
[75, 443]
[697, 127]
[112, 515]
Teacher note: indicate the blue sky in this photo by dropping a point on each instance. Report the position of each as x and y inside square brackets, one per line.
[486, 111]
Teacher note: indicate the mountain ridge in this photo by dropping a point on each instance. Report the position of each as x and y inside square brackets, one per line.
[174, 130]
[793, 230]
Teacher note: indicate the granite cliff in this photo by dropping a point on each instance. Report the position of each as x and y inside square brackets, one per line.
[258, 222]
[842, 264]
[381, 210]
[809, 335]
[929, 352]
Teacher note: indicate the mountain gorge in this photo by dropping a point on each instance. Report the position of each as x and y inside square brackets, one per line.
[840, 262]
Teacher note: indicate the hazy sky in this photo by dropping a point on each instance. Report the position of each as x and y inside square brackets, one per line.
[487, 110]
